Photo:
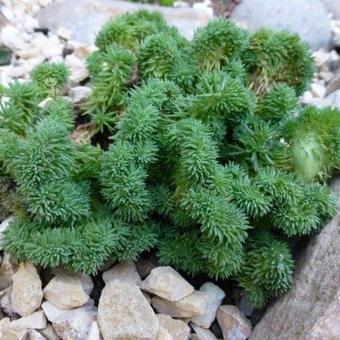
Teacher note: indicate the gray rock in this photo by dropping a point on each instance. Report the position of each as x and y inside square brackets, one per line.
[92, 14]
[314, 294]
[307, 18]
[333, 6]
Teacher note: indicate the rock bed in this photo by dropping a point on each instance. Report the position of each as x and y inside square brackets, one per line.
[137, 302]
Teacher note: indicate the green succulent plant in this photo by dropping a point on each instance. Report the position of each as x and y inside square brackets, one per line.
[197, 151]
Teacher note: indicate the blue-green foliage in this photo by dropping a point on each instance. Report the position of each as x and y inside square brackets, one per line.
[202, 152]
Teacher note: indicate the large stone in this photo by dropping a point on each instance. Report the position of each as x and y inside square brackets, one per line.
[94, 333]
[124, 313]
[26, 295]
[234, 325]
[165, 282]
[92, 14]
[49, 333]
[194, 304]
[202, 333]
[315, 291]
[125, 271]
[35, 335]
[9, 332]
[216, 295]
[333, 7]
[66, 291]
[163, 334]
[71, 324]
[178, 329]
[37, 320]
[307, 18]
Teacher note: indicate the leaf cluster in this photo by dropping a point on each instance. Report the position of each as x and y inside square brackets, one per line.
[201, 153]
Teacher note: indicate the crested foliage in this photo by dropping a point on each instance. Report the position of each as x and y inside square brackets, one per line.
[198, 151]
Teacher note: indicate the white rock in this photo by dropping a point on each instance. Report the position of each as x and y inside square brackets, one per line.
[307, 97]
[167, 283]
[39, 40]
[29, 52]
[66, 291]
[94, 333]
[32, 62]
[30, 23]
[37, 320]
[124, 313]
[318, 90]
[234, 325]
[5, 80]
[10, 37]
[178, 329]
[8, 332]
[80, 94]
[35, 335]
[17, 71]
[163, 334]
[202, 333]
[181, 4]
[125, 271]
[321, 58]
[216, 295]
[64, 33]
[8, 13]
[52, 48]
[26, 295]
[71, 324]
[49, 333]
[3, 226]
[194, 304]
[85, 279]
[203, 7]
[77, 67]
